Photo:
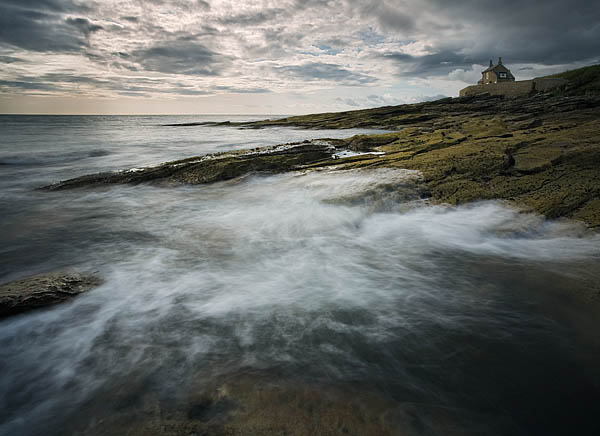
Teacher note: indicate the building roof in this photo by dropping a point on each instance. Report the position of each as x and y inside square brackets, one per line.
[499, 68]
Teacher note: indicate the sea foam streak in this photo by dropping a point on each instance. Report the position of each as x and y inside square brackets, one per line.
[336, 275]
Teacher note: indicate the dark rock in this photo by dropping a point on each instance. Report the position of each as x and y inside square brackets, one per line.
[211, 168]
[42, 290]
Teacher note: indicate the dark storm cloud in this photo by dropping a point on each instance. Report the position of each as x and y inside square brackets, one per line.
[47, 5]
[324, 71]
[181, 56]
[390, 18]
[40, 25]
[548, 32]
[431, 65]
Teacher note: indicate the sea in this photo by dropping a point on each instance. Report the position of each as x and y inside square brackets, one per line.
[466, 319]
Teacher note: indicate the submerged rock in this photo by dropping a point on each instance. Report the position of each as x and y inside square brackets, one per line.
[42, 290]
[263, 404]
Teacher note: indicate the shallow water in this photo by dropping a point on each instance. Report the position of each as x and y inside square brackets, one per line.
[342, 280]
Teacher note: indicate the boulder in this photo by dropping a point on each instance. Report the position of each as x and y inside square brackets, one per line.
[42, 290]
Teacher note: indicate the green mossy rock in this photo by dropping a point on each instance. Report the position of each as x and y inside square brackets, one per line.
[541, 152]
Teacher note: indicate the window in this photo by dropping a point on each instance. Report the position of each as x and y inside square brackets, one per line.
[502, 75]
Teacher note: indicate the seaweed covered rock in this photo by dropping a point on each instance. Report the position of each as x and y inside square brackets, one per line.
[541, 152]
[211, 168]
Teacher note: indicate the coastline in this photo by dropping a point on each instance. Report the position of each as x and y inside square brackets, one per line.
[539, 152]
[230, 232]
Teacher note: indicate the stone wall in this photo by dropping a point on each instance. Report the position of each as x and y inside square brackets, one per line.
[513, 89]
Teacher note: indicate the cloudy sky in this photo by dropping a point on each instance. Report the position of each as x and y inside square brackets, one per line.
[275, 57]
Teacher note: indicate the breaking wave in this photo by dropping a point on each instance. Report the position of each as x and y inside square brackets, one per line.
[344, 277]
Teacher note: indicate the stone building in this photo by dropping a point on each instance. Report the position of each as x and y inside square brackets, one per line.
[496, 74]
[498, 80]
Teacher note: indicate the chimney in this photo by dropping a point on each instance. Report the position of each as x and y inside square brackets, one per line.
[491, 63]
[499, 61]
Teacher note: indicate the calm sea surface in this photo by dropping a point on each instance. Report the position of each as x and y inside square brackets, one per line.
[330, 279]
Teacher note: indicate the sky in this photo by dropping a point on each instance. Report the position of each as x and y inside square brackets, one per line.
[275, 57]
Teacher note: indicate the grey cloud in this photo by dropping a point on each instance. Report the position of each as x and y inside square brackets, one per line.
[182, 4]
[324, 71]
[389, 17]
[545, 32]
[201, 4]
[40, 26]
[348, 101]
[251, 19]
[84, 25]
[9, 59]
[549, 32]
[337, 42]
[70, 82]
[237, 90]
[51, 82]
[314, 4]
[131, 19]
[47, 5]
[181, 57]
[277, 42]
[460, 34]
[438, 64]
[26, 86]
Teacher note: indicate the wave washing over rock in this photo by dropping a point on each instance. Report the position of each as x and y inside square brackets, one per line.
[322, 302]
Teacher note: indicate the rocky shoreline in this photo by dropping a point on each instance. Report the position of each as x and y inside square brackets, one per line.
[541, 152]
[211, 168]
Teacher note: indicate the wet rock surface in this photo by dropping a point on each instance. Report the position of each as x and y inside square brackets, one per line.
[540, 152]
[42, 290]
[256, 403]
[211, 168]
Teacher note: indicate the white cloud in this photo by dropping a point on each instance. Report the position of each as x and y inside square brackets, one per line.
[288, 47]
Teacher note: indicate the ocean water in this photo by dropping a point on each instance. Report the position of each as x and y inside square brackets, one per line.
[344, 280]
